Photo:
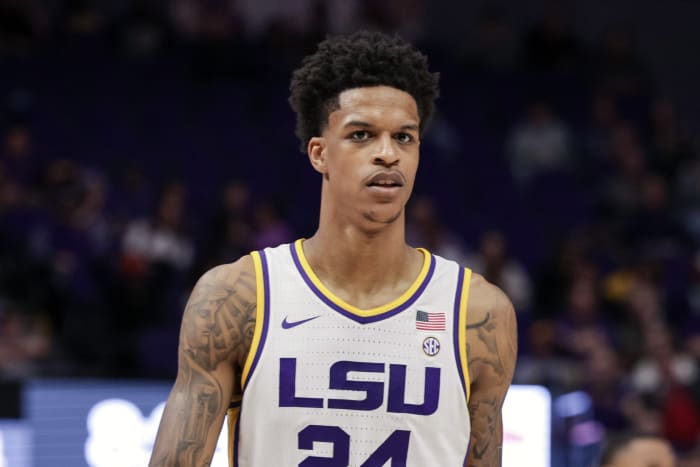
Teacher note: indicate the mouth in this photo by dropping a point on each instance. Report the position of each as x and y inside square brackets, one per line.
[387, 181]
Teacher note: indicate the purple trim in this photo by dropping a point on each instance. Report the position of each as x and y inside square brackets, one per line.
[362, 319]
[469, 446]
[237, 437]
[266, 316]
[456, 328]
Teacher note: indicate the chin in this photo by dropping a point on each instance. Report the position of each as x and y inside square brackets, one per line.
[383, 216]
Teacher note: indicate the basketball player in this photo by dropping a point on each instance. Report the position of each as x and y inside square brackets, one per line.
[638, 450]
[349, 347]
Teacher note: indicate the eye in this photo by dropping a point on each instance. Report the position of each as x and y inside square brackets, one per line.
[359, 135]
[404, 138]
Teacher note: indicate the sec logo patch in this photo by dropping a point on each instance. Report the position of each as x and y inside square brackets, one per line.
[431, 346]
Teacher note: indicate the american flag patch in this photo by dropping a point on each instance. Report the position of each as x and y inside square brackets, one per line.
[426, 321]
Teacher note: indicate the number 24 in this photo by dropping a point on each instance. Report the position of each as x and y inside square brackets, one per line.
[394, 448]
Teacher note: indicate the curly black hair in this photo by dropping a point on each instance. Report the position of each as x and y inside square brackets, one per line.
[361, 59]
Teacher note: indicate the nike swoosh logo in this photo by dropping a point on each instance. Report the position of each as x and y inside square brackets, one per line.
[290, 324]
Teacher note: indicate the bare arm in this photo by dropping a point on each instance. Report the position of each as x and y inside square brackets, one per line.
[492, 352]
[215, 335]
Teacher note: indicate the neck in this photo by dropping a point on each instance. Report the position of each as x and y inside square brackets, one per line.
[369, 256]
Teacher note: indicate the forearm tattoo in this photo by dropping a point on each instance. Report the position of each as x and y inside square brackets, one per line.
[496, 359]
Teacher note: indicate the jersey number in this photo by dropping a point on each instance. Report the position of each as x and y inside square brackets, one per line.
[394, 448]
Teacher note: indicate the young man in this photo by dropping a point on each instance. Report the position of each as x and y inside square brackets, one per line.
[349, 347]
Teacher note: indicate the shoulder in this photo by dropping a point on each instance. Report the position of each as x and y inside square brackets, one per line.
[228, 273]
[487, 300]
[491, 332]
[226, 285]
[221, 309]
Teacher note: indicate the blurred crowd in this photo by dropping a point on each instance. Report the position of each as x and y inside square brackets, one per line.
[555, 167]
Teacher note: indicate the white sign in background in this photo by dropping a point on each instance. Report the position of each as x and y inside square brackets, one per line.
[527, 421]
[120, 436]
[15, 444]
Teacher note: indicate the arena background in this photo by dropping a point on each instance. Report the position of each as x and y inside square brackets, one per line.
[145, 141]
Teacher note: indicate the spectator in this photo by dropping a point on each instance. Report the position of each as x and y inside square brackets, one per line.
[154, 263]
[232, 227]
[498, 267]
[620, 193]
[270, 228]
[425, 229]
[582, 320]
[653, 231]
[637, 450]
[541, 362]
[539, 144]
[16, 155]
[133, 195]
[598, 137]
[670, 147]
[161, 239]
[619, 71]
[668, 378]
[603, 380]
[25, 342]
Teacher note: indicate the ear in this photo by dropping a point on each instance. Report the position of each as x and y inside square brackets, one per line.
[317, 154]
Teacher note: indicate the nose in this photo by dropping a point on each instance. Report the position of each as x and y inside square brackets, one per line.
[386, 153]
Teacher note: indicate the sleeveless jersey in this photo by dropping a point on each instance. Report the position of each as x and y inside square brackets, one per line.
[329, 384]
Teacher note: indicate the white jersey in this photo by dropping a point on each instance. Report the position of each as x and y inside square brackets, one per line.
[329, 384]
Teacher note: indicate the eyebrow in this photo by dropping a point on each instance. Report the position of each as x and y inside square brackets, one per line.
[410, 126]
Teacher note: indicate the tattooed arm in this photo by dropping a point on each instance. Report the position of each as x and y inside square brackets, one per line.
[491, 350]
[215, 336]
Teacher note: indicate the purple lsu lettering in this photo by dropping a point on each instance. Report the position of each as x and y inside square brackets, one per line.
[374, 390]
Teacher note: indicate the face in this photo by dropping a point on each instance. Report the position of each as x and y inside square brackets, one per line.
[645, 453]
[368, 154]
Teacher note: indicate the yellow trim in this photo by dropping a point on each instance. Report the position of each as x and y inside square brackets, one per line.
[463, 330]
[259, 316]
[351, 308]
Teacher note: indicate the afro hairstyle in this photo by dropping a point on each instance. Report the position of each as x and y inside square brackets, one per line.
[358, 60]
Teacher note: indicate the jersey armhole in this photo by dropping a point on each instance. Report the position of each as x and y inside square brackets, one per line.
[262, 304]
[233, 413]
[461, 299]
[261, 316]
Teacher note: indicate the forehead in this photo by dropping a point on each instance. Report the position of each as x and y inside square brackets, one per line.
[369, 104]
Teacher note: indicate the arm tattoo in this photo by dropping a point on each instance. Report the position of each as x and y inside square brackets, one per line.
[217, 328]
[219, 316]
[480, 323]
[494, 337]
[492, 358]
[485, 417]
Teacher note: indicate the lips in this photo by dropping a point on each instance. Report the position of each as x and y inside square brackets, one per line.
[386, 179]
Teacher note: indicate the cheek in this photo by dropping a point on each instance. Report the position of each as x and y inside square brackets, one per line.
[411, 167]
[344, 169]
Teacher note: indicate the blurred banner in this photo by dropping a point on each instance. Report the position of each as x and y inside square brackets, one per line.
[114, 423]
